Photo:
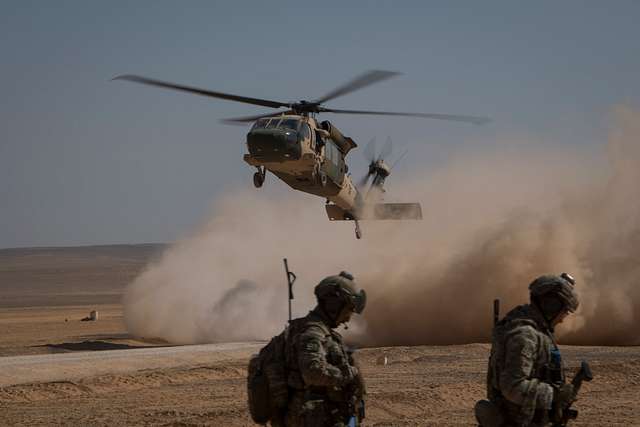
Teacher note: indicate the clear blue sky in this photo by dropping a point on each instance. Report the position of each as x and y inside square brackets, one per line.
[84, 160]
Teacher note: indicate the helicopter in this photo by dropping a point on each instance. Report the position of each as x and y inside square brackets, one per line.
[310, 155]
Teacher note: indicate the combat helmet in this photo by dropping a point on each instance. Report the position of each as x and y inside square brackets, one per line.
[341, 290]
[554, 294]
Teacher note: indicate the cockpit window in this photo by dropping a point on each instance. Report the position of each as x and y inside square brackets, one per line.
[277, 122]
[289, 124]
[261, 123]
[273, 122]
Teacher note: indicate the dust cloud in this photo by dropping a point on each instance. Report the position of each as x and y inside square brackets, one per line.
[494, 219]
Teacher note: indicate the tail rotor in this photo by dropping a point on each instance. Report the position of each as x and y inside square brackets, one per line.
[378, 168]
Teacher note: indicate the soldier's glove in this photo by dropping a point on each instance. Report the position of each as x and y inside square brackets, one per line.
[563, 397]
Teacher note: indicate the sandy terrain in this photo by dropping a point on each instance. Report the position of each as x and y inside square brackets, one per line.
[70, 276]
[67, 381]
[420, 386]
[44, 292]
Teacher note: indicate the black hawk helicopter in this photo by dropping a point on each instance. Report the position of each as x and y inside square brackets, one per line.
[310, 155]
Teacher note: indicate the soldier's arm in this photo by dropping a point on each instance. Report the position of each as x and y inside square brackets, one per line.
[313, 363]
[358, 380]
[515, 379]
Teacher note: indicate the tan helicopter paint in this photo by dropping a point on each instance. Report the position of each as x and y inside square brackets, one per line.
[302, 174]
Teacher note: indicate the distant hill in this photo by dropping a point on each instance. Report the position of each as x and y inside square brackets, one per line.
[70, 275]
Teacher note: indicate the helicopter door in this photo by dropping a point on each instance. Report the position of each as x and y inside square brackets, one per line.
[334, 163]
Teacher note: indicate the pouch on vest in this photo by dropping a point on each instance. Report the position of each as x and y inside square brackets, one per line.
[555, 372]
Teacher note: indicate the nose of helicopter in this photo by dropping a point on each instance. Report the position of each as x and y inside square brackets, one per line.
[273, 145]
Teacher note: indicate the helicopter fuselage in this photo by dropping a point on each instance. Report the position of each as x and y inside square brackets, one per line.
[305, 155]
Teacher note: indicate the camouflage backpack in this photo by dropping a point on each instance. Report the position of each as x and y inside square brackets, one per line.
[268, 373]
[267, 380]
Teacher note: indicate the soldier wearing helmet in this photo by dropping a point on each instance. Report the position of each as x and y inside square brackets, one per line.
[326, 387]
[526, 383]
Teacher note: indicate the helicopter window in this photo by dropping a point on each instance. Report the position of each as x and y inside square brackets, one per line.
[289, 124]
[331, 152]
[262, 123]
[273, 123]
[305, 132]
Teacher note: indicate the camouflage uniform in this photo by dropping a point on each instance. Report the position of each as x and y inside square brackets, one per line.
[522, 359]
[525, 367]
[325, 386]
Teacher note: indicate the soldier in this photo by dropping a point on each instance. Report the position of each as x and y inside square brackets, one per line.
[525, 381]
[325, 385]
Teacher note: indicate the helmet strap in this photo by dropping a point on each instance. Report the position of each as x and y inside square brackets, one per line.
[332, 309]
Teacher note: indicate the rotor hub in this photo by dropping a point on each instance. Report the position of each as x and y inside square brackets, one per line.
[380, 168]
[305, 107]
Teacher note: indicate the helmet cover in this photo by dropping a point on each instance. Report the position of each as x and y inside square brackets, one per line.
[342, 287]
[561, 286]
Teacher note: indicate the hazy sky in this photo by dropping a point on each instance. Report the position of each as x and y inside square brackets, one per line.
[84, 160]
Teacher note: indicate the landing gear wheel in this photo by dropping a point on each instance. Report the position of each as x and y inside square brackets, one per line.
[258, 179]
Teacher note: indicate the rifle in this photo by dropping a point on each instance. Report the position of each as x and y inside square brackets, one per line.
[291, 278]
[584, 374]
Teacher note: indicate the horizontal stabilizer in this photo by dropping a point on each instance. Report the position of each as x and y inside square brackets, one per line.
[397, 211]
[336, 213]
[378, 211]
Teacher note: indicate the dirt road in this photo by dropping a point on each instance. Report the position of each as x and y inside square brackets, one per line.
[420, 386]
[78, 365]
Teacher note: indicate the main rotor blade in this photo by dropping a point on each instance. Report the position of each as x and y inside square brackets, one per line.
[198, 91]
[453, 117]
[366, 79]
[246, 119]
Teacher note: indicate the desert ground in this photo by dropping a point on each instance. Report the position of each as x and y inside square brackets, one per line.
[58, 370]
